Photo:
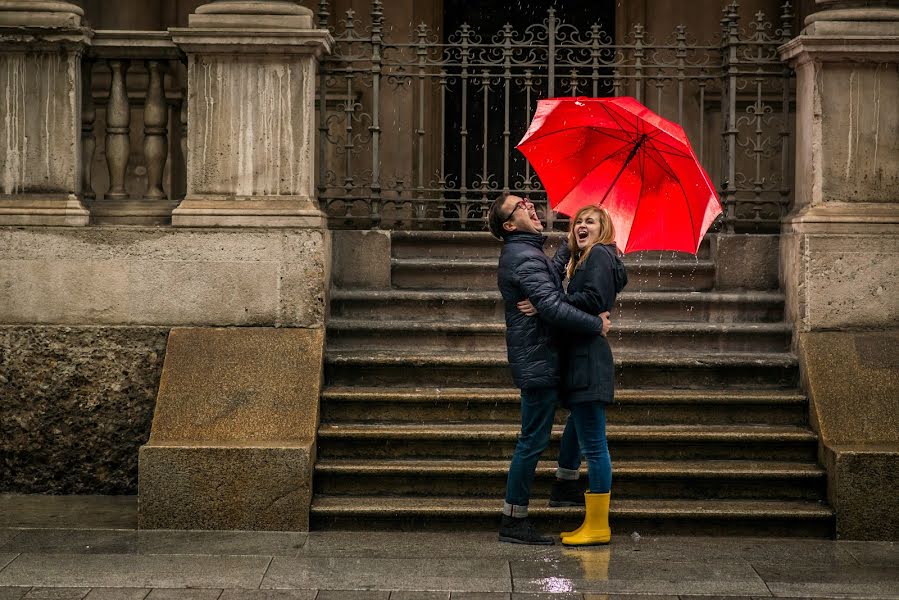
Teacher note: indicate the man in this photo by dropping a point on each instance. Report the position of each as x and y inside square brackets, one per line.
[526, 272]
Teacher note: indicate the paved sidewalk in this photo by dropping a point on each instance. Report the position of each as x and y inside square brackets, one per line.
[87, 547]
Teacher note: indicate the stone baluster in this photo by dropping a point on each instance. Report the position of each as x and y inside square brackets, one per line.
[156, 118]
[88, 139]
[183, 118]
[118, 128]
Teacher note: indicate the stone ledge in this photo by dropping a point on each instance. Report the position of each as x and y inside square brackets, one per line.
[862, 484]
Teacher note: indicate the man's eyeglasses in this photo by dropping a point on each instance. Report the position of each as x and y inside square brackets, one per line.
[520, 204]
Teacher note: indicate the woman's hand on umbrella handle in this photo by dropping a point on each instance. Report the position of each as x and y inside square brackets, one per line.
[606, 323]
[527, 308]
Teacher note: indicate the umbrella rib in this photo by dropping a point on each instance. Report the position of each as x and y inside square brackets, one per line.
[639, 198]
[676, 179]
[604, 130]
[615, 117]
[654, 136]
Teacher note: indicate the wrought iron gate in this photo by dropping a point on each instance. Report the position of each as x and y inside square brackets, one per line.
[420, 132]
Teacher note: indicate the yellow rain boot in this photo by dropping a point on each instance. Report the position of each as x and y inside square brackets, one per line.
[595, 529]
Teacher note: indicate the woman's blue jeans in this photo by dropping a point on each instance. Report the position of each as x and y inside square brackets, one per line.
[585, 433]
[538, 408]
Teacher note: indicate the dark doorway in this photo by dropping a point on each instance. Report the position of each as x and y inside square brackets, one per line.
[480, 75]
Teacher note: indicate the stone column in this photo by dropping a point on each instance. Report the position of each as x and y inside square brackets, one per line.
[251, 114]
[41, 46]
[840, 253]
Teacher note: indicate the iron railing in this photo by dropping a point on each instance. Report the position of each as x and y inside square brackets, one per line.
[420, 132]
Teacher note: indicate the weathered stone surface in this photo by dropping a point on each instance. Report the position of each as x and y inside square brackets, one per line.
[233, 437]
[862, 484]
[841, 281]
[853, 384]
[746, 262]
[264, 488]
[153, 276]
[361, 259]
[239, 386]
[40, 90]
[76, 405]
[251, 168]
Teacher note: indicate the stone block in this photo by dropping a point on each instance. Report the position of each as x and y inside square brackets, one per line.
[862, 484]
[746, 262]
[852, 379]
[841, 280]
[243, 487]
[163, 277]
[233, 437]
[361, 259]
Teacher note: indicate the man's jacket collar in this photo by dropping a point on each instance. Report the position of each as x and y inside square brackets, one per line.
[523, 237]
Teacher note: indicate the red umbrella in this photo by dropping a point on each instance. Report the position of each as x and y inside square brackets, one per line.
[617, 153]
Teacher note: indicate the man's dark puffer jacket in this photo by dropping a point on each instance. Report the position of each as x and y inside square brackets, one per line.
[526, 272]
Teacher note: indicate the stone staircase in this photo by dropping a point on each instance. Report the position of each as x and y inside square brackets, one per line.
[419, 416]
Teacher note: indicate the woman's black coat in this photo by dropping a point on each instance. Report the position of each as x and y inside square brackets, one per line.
[588, 370]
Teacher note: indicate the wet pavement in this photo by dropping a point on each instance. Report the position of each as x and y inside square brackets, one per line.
[88, 547]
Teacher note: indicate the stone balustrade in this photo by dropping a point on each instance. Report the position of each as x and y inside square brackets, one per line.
[133, 76]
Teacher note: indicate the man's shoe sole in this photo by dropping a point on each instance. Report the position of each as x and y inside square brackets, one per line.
[512, 540]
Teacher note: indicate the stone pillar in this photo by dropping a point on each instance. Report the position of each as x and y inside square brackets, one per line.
[251, 114]
[840, 253]
[41, 46]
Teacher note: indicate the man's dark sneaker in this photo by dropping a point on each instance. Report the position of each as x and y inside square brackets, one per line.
[521, 531]
[566, 492]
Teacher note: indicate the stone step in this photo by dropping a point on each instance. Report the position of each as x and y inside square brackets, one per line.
[480, 274]
[439, 305]
[457, 335]
[483, 441]
[731, 479]
[632, 406]
[477, 244]
[647, 516]
[687, 370]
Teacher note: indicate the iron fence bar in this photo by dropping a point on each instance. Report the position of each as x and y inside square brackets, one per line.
[485, 88]
[463, 172]
[638, 62]
[422, 58]
[786, 20]
[551, 25]
[681, 54]
[507, 78]
[349, 106]
[377, 23]
[528, 84]
[594, 58]
[729, 109]
[443, 181]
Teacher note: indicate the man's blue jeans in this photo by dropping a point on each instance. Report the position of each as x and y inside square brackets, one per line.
[538, 407]
[585, 433]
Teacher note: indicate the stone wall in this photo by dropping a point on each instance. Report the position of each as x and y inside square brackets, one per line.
[84, 318]
[75, 405]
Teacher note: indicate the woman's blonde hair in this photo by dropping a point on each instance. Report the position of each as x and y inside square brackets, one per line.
[606, 236]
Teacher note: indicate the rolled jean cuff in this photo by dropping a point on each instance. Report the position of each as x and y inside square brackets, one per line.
[568, 474]
[513, 510]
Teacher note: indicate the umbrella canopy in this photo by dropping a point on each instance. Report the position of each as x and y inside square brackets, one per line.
[617, 153]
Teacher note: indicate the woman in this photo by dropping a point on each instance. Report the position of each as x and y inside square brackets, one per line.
[596, 275]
